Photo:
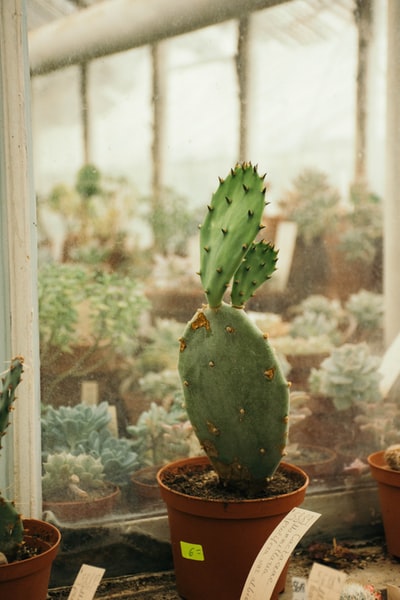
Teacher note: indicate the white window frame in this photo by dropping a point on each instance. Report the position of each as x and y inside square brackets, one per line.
[18, 260]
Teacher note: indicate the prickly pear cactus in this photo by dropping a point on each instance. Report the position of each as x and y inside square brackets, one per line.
[236, 396]
[11, 529]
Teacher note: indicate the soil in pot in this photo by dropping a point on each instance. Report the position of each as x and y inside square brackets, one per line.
[216, 534]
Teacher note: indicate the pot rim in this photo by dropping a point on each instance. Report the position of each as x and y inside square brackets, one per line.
[229, 509]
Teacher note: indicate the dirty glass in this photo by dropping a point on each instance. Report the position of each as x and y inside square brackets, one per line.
[124, 172]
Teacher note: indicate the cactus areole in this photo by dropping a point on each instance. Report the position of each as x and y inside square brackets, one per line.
[236, 396]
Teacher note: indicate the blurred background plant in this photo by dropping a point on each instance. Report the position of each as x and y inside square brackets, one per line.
[85, 430]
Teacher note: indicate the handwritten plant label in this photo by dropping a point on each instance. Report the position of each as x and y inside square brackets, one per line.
[275, 553]
[299, 588]
[86, 583]
[192, 551]
[325, 583]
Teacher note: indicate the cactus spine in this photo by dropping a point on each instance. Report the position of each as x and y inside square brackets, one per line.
[236, 396]
[11, 528]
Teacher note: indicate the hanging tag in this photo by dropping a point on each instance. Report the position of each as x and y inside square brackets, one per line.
[86, 583]
[275, 553]
[325, 582]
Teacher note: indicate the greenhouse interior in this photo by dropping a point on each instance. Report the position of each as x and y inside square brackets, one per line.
[200, 294]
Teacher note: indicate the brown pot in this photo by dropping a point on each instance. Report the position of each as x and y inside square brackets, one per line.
[317, 461]
[228, 535]
[29, 579]
[78, 510]
[389, 498]
[145, 486]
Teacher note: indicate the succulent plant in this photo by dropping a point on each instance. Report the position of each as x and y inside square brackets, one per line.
[356, 591]
[236, 396]
[11, 527]
[312, 203]
[392, 457]
[367, 308]
[69, 477]
[161, 435]
[83, 429]
[350, 376]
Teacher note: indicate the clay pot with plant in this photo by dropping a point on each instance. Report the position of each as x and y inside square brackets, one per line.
[28, 547]
[86, 467]
[344, 393]
[385, 469]
[237, 400]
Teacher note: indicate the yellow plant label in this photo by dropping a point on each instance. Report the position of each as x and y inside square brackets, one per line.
[192, 551]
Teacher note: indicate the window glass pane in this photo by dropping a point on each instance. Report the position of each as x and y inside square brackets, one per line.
[119, 255]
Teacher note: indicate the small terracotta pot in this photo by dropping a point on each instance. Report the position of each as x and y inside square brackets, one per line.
[389, 498]
[29, 579]
[221, 539]
[145, 485]
[79, 510]
[324, 464]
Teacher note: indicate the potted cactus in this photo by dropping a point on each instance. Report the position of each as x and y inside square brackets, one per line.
[221, 507]
[385, 469]
[27, 546]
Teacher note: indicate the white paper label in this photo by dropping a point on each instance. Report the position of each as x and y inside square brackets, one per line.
[393, 592]
[325, 583]
[275, 553]
[299, 588]
[86, 583]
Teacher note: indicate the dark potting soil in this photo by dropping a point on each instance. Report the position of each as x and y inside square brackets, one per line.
[203, 482]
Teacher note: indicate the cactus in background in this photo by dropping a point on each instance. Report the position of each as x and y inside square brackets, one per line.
[236, 396]
[11, 528]
[392, 457]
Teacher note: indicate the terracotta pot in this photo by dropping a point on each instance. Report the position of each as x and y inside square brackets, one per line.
[79, 510]
[226, 535]
[29, 579]
[317, 461]
[389, 498]
[145, 483]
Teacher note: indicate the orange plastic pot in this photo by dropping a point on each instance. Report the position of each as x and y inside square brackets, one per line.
[29, 579]
[389, 499]
[215, 542]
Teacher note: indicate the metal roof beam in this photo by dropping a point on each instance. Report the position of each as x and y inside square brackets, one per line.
[116, 25]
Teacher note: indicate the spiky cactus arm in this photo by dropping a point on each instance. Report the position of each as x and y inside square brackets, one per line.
[230, 227]
[236, 396]
[11, 528]
[10, 381]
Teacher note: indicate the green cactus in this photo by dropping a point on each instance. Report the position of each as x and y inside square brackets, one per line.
[236, 396]
[11, 527]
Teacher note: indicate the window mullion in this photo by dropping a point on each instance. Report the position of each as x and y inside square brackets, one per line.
[19, 251]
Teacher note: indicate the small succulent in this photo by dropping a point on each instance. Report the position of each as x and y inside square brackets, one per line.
[69, 477]
[84, 429]
[11, 527]
[161, 435]
[392, 457]
[367, 309]
[356, 591]
[312, 203]
[350, 376]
